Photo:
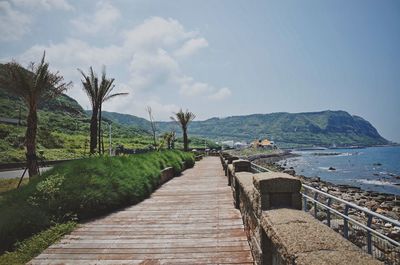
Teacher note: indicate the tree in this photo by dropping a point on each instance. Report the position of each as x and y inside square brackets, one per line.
[153, 125]
[32, 85]
[183, 119]
[98, 94]
[105, 94]
[169, 138]
[91, 87]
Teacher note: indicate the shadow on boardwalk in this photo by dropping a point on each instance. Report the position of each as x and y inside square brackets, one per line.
[189, 220]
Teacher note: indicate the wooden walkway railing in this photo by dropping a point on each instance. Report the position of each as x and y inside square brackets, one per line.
[189, 220]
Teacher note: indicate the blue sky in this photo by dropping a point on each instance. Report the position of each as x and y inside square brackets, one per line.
[220, 58]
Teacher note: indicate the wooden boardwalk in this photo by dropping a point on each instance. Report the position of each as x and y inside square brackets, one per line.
[189, 220]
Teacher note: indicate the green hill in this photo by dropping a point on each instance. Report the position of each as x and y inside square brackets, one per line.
[325, 128]
[63, 130]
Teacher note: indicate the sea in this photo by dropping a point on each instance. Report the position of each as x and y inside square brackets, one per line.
[373, 168]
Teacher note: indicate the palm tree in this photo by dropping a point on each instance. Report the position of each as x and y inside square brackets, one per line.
[183, 119]
[105, 89]
[91, 87]
[98, 94]
[32, 85]
[169, 138]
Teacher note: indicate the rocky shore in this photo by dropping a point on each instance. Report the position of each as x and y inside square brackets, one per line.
[382, 203]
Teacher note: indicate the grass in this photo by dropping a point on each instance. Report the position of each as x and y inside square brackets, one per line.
[82, 189]
[10, 184]
[33, 246]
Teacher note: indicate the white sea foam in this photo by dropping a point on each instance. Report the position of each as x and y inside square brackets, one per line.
[347, 154]
[376, 182]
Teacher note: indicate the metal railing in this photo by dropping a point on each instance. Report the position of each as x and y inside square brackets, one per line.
[363, 227]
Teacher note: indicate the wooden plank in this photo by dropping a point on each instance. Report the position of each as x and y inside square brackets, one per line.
[189, 220]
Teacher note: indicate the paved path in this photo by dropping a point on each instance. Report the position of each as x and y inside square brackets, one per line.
[11, 174]
[189, 220]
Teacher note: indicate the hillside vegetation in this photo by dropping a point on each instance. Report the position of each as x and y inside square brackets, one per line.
[325, 128]
[63, 130]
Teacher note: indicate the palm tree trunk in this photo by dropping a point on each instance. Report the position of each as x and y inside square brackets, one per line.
[30, 138]
[102, 144]
[99, 135]
[93, 130]
[185, 140]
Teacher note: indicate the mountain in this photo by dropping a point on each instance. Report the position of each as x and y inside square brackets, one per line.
[126, 119]
[325, 128]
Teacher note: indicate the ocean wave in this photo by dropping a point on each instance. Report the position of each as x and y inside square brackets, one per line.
[348, 154]
[377, 182]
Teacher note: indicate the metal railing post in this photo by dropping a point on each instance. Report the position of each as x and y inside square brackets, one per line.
[346, 222]
[369, 236]
[305, 204]
[328, 211]
[315, 204]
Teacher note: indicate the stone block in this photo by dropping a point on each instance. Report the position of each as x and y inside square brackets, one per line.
[297, 238]
[166, 174]
[230, 159]
[276, 182]
[241, 165]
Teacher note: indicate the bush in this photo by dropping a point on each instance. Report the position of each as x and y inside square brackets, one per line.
[82, 189]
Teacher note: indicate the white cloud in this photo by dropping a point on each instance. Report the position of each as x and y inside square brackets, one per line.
[189, 87]
[44, 4]
[13, 23]
[191, 46]
[102, 19]
[145, 55]
[221, 94]
[17, 16]
[72, 54]
[157, 32]
[149, 69]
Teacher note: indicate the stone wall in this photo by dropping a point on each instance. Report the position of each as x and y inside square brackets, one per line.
[166, 174]
[278, 231]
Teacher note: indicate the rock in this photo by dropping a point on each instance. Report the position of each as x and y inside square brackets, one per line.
[386, 206]
[380, 211]
[392, 215]
[389, 198]
[290, 172]
[373, 205]
[321, 216]
[361, 202]
[395, 235]
[388, 225]
[331, 168]
[357, 196]
[380, 198]
[347, 197]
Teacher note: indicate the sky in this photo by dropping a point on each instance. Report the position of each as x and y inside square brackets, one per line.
[220, 58]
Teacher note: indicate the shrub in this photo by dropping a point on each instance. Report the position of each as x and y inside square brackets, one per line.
[82, 189]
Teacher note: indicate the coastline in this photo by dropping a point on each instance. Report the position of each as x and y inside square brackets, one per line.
[382, 203]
